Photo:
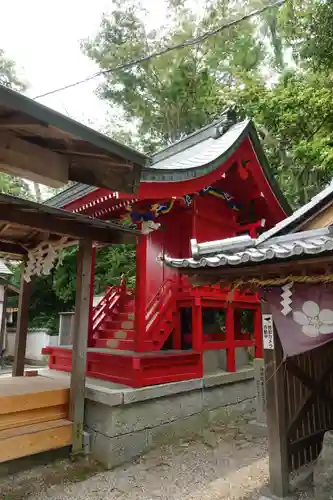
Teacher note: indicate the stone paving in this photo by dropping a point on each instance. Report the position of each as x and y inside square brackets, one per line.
[224, 462]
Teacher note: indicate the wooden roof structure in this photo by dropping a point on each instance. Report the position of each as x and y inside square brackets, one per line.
[25, 224]
[45, 146]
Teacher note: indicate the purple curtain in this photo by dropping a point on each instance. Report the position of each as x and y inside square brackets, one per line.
[303, 315]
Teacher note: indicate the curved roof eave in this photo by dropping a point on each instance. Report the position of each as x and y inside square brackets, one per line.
[198, 160]
[244, 129]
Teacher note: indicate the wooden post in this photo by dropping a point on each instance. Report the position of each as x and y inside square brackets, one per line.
[80, 341]
[258, 349]
[3, 326]
[230, 338]
[22, 326]
[140, 293]
[276, 416]
[91, 301]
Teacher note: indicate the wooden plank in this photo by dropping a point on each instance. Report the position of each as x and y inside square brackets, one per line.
[24, 159]
[22, 385]
[80, 341]
[34, 428]
[276, 417]
[323, 219]
[32, 439]
[22, 326]
[24, 402]
[34, 416]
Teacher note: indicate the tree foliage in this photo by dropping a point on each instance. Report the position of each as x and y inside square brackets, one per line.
[275, 68]
[179, 92]
[9, 78]
[8, 74]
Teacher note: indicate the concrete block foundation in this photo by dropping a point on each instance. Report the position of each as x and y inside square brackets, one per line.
[125, 423]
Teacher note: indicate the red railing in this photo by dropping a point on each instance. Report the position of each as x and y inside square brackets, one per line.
[159, 320]
[111, 300]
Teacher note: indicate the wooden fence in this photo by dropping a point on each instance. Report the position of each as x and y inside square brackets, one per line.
[299, 409]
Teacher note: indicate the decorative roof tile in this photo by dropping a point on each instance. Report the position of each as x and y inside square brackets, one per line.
[283, 247]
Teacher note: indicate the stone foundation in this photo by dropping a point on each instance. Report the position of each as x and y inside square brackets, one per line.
[125, 423]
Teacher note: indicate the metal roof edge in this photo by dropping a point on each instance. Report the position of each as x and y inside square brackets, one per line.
[302, 214]
[151, 174]
[267, 169]
[189, 139]
[69, 195]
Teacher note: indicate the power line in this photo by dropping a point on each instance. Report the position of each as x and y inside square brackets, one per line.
[166, 50]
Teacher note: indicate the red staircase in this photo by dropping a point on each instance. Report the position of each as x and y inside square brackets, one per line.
[114, 319]
[116, 330]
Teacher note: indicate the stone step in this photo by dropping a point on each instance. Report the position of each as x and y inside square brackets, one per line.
[119, 325]
[125, 316]
[121, 344]
[111, 333]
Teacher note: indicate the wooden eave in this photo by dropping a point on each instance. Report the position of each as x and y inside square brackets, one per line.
[24, 224]
[42, 145]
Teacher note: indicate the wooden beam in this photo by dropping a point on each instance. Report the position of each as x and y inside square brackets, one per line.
[12, 248]
[21, 158]
[19, 120]
[80, 341]
[276, 417]
[22, 326]
[44, 221]
[118, 177]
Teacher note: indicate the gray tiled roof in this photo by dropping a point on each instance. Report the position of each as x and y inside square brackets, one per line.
[176, 162]
[283, 247]
[293, 222]
[194, 156]
[203, 152]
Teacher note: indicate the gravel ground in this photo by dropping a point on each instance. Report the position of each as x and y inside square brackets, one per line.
[225, 462]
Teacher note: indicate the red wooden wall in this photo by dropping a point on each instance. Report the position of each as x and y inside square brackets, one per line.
[173, 238]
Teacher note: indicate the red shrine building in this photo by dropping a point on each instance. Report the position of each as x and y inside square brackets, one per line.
[212, 185]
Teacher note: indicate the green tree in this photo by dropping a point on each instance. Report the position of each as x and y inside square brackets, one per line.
[8, 74]
[177, 93]
[9, 78]
[111, 263]
[296, 119]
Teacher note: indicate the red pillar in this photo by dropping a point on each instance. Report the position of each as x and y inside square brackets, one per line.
[230, 339]
[140, 293]
[197, 333]
[177, 334]
[91, 298]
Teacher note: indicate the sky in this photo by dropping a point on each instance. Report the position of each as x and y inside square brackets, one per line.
[43, 39]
